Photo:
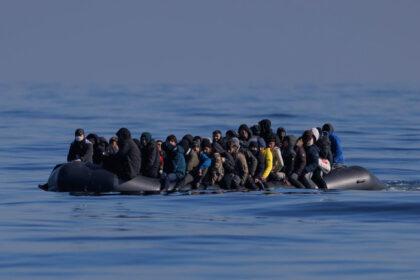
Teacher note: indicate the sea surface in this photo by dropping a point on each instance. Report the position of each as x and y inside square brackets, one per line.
[275, 234]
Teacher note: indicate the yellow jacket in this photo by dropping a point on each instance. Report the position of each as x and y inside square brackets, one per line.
[268, 162]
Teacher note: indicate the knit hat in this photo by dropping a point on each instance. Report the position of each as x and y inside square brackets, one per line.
[195, 144]
[235, 142]
[79, 132]
[315, 132]
[261, 142]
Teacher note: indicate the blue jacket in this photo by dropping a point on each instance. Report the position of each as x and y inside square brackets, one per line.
[175, 162]
[205, 161]
[312, 159]
[336, 149]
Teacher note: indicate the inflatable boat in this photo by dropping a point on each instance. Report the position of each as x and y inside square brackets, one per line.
[81, 177]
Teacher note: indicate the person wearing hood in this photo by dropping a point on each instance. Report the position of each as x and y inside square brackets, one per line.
[218, 144]
[253, 147]
[281, 136]
[337, 151]
[81, 149]
[186, 142]
[228, 137]
[289, 154]
[192, 161]
[99, 147]
[266, 131]
[295, 160]
[126, 163]
[312, 160]
[174, 165]
[150, 158]
[256, 130]
[245, 135]
[323, 143]
[323, 162]
[235, 166]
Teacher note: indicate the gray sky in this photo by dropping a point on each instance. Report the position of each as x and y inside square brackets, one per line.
[209, 41]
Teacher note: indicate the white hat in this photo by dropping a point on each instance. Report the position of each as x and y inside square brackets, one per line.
[315, 132]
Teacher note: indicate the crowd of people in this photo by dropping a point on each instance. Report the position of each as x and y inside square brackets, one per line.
[246, 158]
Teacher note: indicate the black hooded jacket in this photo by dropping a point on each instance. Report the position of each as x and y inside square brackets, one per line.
[244, 142]
[82, 150]
[186, 142]
[150, 159]
[289, 154]
[324, 146]
[99, 147]
[126, 163]
[267, 132]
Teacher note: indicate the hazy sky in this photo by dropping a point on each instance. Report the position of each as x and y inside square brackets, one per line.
[209, 41]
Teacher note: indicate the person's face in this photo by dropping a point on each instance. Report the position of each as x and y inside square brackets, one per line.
[254, 149]
[271, 145]
[80, 137]
[207, 150]
[159, 146]
[217, 137]
[143, 141]
[243, 133]
[173, 143]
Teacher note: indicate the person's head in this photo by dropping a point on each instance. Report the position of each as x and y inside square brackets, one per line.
[281, 132]
[93, 138]
[145, 138]
[271, 142]
[171, 139]
[113, 141]
[205, 142]
[195, 146]
[188, 138]
[315, 133]
[123, 134]
[197, 139]
[217, 135]
[308, 138]
[159, 145]
[244, 131]
[233, 145]
[231, 133]
[289, 141]
[79, 135]
[256, 129]
[207, 149]
[261, 144]
[327, 128]
[265, 126]
[253, 147]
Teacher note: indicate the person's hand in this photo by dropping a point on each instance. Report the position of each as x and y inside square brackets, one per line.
[200, 172]
[222, 159]
[263, 179]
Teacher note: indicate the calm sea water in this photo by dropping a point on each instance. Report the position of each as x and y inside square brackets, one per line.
[297, 234]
